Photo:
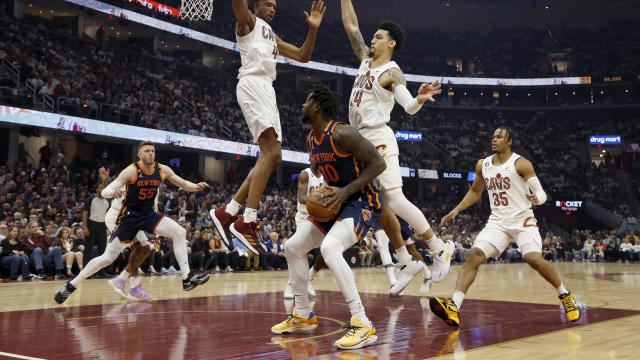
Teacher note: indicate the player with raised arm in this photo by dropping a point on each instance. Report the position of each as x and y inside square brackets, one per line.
[142, 180]
[378, 82]
[259, 49]
[350, 163]
[513, 187]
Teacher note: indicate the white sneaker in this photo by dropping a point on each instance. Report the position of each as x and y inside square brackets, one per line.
[405, 275]
[152, 270]
[217, 269]
[312, 291]
[228, 269]
[442, 262]
[288, 291]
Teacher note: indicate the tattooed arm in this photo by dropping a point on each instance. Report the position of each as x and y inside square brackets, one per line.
[394, 81]
[350, 22]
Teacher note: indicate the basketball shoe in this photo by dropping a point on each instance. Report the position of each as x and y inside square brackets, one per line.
[359, 335]
[445, 309]
[137, 293]
[120, 286]
[194, 280]
[249, 235]
[293, 323]
[442, 262]
[222, 219]
[405, 275]
[63, 293]
[570, 307]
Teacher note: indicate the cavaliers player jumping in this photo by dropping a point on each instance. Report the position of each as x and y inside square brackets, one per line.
[513, 187]
[378, 82]
[142, 180]
[349, 164]
[259, 49]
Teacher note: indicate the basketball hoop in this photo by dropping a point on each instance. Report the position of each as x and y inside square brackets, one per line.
[196, 10]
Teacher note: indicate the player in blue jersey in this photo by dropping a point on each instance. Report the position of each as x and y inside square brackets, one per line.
[349, 163]
[142, 180]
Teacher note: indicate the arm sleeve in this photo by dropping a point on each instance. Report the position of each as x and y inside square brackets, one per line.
[536, 188]
[404, 98]
[107, 192]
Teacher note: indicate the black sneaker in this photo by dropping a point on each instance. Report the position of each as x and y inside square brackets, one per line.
[194, 280]
[63, 293]
[59, 274]
[40, 275]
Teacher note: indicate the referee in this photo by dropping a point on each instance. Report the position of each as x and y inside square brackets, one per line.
[95, 230]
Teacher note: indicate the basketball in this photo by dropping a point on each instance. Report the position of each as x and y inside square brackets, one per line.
[316, 207]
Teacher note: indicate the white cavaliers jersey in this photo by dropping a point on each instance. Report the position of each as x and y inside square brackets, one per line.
[314, 182]
[507, 190]
[258, 51]
[370, 104]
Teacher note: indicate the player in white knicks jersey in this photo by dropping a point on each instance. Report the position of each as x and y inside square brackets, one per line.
[308, 180]
[378, 85]
[513, 187]
[259, 49]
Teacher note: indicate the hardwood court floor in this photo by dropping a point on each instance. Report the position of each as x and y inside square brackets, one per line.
[509, 313]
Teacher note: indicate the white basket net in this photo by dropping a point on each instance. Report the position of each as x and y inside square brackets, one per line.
[196, 10]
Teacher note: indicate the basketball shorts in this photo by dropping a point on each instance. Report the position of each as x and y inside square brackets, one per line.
[131, 222]
[496, 236]
[257, 100]
[385, 142]
[110, 221]
[360, 211]
[405, 229]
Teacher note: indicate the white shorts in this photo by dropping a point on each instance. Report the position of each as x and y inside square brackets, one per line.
[110, 221]
[496, 236]
[257, 100]
[385, 142]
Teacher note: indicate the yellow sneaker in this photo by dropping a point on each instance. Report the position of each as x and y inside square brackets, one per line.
[293, 323]
[445, 309]
[359, 335]
[570, 307]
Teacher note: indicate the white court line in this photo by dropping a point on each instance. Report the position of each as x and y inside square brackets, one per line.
[19, 356]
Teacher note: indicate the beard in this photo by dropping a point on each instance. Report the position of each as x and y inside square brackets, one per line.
[306, 118]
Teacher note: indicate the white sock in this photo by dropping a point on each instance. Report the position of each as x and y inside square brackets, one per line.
[250, 215]
[233, 207]
[435, 244]
[403, 255]
[312, 272]
[124, 275]
[134, 281]
[561, 289]
[391, 275]
[458, 297]
[357, 310]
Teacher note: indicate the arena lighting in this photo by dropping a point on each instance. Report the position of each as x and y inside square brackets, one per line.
[229, 45]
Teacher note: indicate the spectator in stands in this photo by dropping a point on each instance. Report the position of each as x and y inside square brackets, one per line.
[598, 251]
[636, 251]
[71, 250]
[548, 252]
[573, 251]
[45, 154]
[626, 250]
[41, 251]
[4, 230]
[275, 247]
[221, 255]
[13, 257]
[365, 251]
[587, 248]
[202, 252]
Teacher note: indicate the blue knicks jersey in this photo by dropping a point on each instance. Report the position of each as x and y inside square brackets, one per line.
[339, 169]
[142, 192]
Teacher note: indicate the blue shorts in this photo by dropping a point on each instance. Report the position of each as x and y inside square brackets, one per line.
[132, 221]
[361, 213]
[405, 229]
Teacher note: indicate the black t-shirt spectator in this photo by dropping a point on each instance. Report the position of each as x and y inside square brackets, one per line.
[7, 248]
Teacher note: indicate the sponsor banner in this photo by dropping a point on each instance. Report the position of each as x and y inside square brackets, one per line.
[156, 6]
[26, 117]
[569, 205]
[408, 135]
[428, 174]
[605, 140]
[407, 172]
[209, 39]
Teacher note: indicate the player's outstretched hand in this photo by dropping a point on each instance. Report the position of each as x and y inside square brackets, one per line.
[335, 198]
[317, 12]
[534, 199]
[428, 91]
[201, 186]
[450, 216]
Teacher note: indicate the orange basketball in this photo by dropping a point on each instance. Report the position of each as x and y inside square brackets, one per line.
[316, 207]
